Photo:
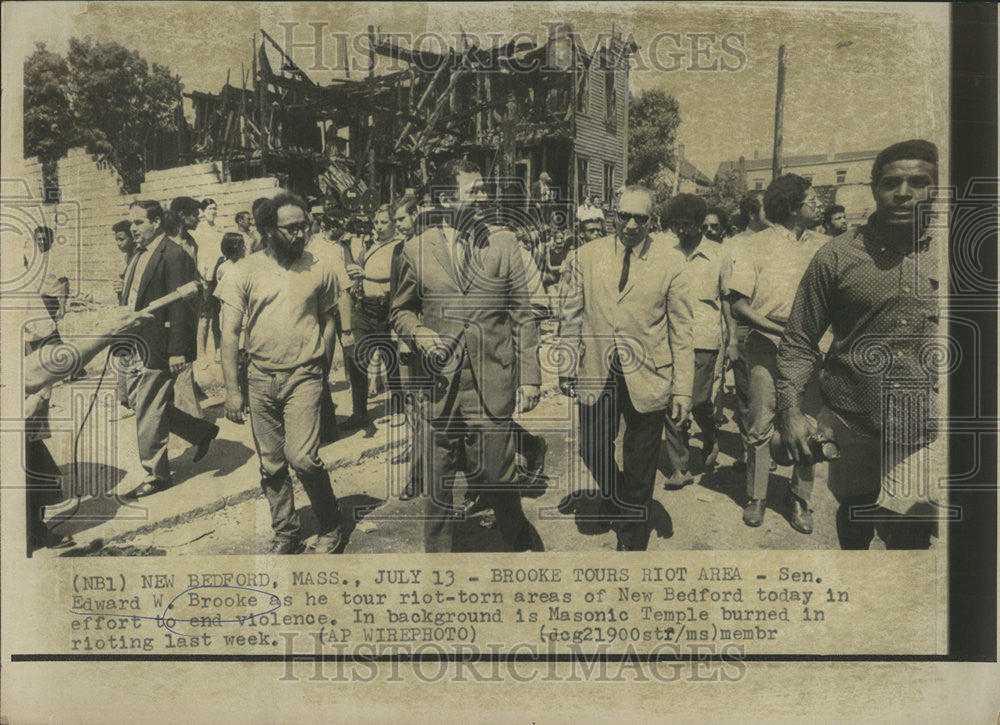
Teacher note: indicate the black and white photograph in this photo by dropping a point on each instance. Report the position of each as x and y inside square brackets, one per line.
[561, 290]
[600, 296]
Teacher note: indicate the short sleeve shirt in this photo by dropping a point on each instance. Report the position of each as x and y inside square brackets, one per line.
[768, 267]
[281, 307]
[704, 271]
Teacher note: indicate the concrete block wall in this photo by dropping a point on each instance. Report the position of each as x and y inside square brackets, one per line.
[92, 202]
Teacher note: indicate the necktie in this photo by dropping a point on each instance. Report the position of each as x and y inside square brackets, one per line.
[464, 258]
[127, 289]
[625, 265]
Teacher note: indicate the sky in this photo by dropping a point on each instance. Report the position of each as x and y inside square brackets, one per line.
[859, 76]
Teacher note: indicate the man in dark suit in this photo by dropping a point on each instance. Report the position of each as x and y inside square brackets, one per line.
[627, 312]
[477, 338]
[166, 345]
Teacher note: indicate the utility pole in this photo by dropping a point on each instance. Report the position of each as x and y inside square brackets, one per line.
[779, 112]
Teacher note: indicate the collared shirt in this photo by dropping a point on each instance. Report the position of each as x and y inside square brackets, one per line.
[139, 262]
[882, 303]
[767, 269]
[731, 247]
[705, 273]
[637, 251]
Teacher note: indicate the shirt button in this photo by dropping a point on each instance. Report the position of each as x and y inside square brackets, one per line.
[902, 322]
[906, 289]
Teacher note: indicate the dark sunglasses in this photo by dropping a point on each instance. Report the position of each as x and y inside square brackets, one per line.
[294, 229]
[625, 217]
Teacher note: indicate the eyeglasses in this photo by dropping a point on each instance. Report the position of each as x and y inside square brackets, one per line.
[710, 226]
[293, 230]
[625, 217]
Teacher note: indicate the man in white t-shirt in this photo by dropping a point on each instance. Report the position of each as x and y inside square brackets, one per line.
[285, 298]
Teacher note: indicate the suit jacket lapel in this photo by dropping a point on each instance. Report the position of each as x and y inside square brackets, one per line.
[607, 272]
[441, 249]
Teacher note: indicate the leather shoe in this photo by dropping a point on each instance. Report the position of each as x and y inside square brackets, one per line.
[287, 547]
[204, 443]
[328, 543]
[489, 519]
[799, 514]
[51, 540]
[147, 488]
[753, 514]
[626, 543]
[411, 491]
[355, 421]
[536, 462]
[678, 480]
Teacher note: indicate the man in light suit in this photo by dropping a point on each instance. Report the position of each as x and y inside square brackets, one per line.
[166, 346]
[477, 339]
[627, 313]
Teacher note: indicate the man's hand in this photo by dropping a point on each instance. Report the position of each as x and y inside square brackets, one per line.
[527, 398]
[118, 285]
[354, 271]
[430, 343]
[124, 319]
[567, 386]
[680, 406]
[177, 364]
[347, 339]
[236, 406]
[795, 431]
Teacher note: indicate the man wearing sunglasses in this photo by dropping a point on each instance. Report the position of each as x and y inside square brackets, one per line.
[766, 273]
[704, 260]
[715, 224]
[287, 296]
[627, 312]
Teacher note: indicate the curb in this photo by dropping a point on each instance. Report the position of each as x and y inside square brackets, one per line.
[96, 544]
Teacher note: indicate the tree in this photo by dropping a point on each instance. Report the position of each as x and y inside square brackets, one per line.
[653, 120]
[728, 188]
[121, 105]
[48, 118]
[103, 96]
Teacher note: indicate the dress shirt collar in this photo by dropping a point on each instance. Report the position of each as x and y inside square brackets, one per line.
[638, 250]
[706, 248]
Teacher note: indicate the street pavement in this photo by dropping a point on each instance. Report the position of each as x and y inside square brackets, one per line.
[216, 506]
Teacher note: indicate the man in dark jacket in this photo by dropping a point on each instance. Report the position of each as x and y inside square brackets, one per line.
[166, 345]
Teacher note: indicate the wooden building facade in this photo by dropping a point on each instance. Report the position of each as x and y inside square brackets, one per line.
[516, 110]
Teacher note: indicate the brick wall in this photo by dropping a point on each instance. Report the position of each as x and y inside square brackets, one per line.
[91, 202]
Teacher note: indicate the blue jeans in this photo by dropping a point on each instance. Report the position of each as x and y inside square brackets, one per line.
[284, 415]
